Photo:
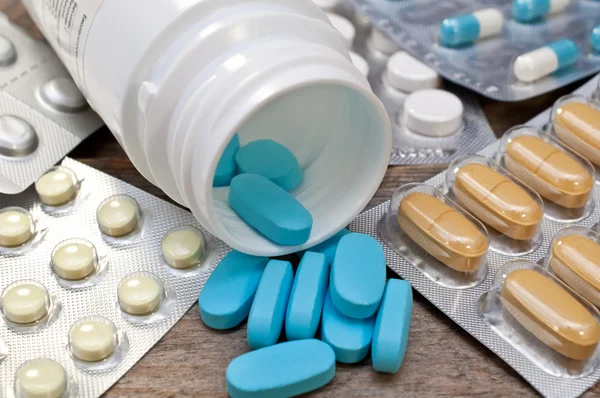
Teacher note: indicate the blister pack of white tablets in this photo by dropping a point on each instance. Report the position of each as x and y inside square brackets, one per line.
[508, 50]
[506, 244]
[431, 123]
[43, 115]
[94, 273]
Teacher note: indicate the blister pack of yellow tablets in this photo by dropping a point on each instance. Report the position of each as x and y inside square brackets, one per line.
[43, 115]
[506, 243]
[94, 273]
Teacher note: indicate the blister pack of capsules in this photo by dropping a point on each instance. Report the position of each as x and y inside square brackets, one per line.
[506, 244]
[94, 273]
[487, 45]
[43, 115]
[431, 123]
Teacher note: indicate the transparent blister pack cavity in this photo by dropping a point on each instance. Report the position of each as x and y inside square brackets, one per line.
[462, 305]
[43, 115]
[573, 258]
[487, 65]
[544, 338]
[96, 294]
[409, 147]
[427, 247]
[574, 119]
[563, 178]
[514, 228]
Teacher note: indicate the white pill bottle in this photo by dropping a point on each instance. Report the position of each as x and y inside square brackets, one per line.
[174, 80]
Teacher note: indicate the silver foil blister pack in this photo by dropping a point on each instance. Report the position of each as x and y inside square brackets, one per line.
[465, 301]
[409, 147]
[139, 253]
[486, 65]
[43, 116]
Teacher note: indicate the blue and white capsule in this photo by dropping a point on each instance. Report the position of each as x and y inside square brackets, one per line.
[467, 28]
[595, 39]
[543, 61]
[532, 10]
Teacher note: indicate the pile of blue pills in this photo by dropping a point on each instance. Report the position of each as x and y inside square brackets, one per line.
[260, 175]
[339, 284]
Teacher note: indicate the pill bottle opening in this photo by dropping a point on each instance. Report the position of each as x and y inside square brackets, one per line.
[341, 138]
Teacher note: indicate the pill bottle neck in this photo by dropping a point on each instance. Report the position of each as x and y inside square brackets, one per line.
[287, 77]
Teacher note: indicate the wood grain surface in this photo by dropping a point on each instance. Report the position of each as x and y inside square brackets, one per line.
[442, 359]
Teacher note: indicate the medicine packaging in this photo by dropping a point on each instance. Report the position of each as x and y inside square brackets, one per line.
[487, 240]
[432, 122]
[43, 115]
[507, 50]
[94, 273]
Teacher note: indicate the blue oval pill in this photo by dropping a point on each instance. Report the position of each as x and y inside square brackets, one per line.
[390, 336]
[329, 247]
[307, 297]
[227, 166]
[358, 276]
[283, 370]
[350, 338]
[270, 209]
[271, 160]
[226, 297]
[270, 303]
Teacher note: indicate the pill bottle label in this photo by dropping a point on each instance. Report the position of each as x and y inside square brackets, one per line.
[68, 22]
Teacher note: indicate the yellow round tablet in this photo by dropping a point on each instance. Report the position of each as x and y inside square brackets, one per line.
[16, 227]
[118, 215]
[93, 339]
[183, 247]
[25, 302]
[41, 378]
[57, 187]
[74, 260]
[140, 294]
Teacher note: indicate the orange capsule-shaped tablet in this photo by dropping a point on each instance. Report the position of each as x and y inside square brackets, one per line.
[576, 260]
[550, 171]
[551, 313]
[442, 232]
[578, 126]
[498, 201]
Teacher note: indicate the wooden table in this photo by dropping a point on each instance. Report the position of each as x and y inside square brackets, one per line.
[442, 359]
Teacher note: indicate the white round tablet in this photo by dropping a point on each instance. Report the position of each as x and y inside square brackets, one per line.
[93, 339]
[41, 378]
[25, 302]
[327, 4]
[183, 247]
[8, 55]
[345, 27]
[433, 112]
[16, 226]
[63, 95]
[382, 42]
[118, 215]
[74, 259]
[140, 294]
[17, 137]
[408, 74]
[57, 187]
[361, 64]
